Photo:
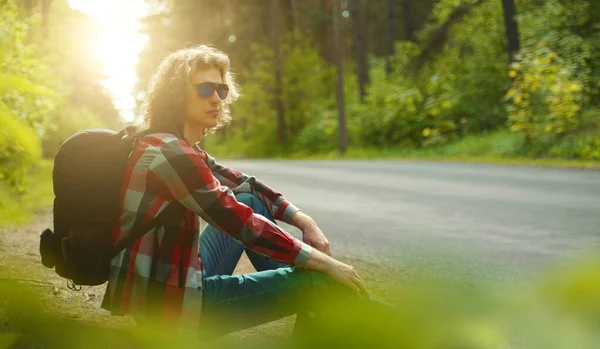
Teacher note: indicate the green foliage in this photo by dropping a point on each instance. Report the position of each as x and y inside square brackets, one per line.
[439, 14]
[254, 112]
[306, 96]
[464, 84]
[321, 134]
[19, 150]
[18, 208]
[501, 144]
[560, 309]
[34, 81]
[569, 28]
[307, 82]
[471, 72]
[458, 93]
[391, 114]
[462, 90]
[552, 101]
[23, 88]
[586, 148]
[545, 97]
[24, 102]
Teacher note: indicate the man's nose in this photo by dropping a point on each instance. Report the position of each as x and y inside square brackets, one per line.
[214, 98]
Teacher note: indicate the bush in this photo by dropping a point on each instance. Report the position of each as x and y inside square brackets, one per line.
[390, 114]
[24, 101]
[321, 135]
[458, 92]
[545, 98]
[496, 144]
[19, 150]
[587, 148]
[569, 28]
[466, 82]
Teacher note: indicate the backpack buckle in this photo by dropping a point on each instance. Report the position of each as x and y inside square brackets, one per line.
[72, 286]
[127, 131]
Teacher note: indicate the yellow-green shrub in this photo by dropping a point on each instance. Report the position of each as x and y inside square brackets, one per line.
[545, 98]
[584, 148]
[437, 109]
[24, 101]
[391, 113]
[19, 150]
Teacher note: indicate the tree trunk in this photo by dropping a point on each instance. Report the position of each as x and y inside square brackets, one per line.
[295, 18]
[340, 81]
[435, 44]
[278, 102]
[391, 35]
[408, 25]
[45, 13]
[29, 4]
[511, 29]
[326, 32]
[359, 28]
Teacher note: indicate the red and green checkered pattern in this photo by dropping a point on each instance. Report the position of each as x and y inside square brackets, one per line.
[164, 169]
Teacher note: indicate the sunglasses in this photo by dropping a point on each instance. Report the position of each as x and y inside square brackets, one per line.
[206, 89]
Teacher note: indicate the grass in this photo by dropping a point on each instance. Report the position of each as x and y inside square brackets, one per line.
[400, 155]
[496, 148]
[20, 208]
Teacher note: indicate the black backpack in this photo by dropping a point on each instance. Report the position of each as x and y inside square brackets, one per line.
[87, 177]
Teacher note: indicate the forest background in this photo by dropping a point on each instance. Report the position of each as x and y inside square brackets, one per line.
[492, 80]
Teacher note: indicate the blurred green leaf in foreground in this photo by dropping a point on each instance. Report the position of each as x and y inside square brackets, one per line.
[558, 310]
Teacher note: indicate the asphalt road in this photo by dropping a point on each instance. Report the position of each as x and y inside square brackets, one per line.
[479, 219]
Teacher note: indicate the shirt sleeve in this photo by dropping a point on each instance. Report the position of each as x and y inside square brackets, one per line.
[182, 172]
[239, 182]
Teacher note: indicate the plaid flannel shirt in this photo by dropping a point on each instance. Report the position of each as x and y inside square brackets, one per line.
[163, 169]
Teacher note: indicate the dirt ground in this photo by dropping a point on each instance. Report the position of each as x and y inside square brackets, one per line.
[19, 246]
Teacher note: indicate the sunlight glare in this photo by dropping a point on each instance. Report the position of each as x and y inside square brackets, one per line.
[119, 43]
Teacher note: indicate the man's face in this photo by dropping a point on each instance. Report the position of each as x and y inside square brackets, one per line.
[203, 112]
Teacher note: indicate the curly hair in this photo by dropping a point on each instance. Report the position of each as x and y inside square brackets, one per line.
[164, 108]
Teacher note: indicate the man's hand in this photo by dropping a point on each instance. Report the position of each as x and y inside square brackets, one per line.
[311, 233]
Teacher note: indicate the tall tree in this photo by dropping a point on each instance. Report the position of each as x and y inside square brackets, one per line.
[511, 28]
[276, 49]
[295, 18]
[408, 20]
[325, 31]
[45, 10]
[437, 38]
[391, 35]
[30, 5]
[359, 29]
[343, 142]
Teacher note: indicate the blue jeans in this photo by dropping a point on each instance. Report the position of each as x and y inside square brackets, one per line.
[235, 302]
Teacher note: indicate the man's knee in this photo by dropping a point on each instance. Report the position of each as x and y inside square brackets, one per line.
[249, 200]
[255, 203]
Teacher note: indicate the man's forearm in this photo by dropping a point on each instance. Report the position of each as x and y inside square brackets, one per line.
[302, 221]
[311, 233]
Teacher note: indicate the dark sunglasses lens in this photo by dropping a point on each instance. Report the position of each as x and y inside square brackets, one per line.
[222, 91]
[205, 90]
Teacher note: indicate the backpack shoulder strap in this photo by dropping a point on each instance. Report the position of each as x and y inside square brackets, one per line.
[173, 210]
